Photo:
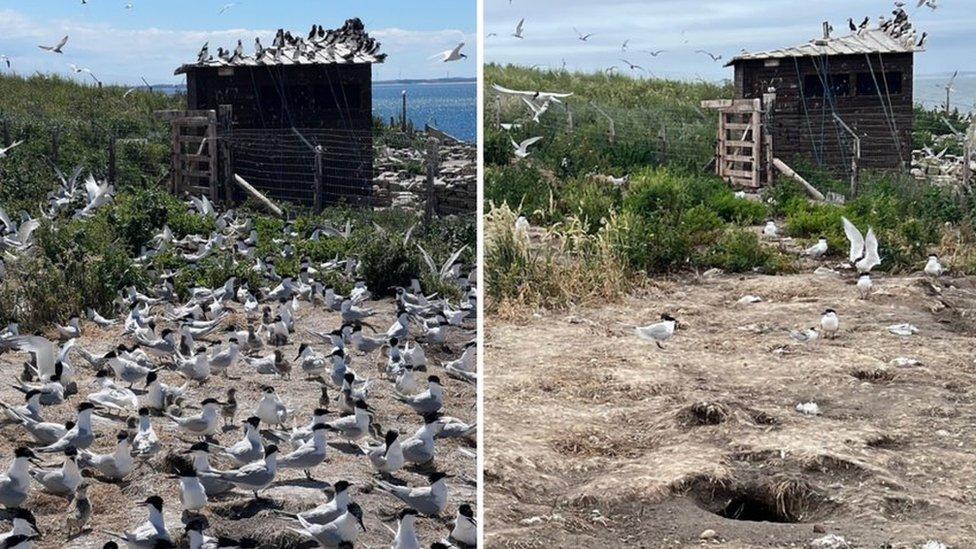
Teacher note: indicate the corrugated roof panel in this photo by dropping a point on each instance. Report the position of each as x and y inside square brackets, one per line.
[893, 39]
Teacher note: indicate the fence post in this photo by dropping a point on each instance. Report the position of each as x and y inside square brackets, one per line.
[498, 111]
[55, 145]
[319, 187]
[225, 123]
[6, 133]
[969, 155]
[433, 162]
[112, 166]
[403, 112]
[663, 137]
[569, 119]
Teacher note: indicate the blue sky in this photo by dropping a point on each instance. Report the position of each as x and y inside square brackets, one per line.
[155, 36]
[721, 26]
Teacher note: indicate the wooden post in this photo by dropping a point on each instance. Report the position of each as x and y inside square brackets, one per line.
[177, 183]
[55, 145]
[969, 155]
[319, 190]
[569, 119]
[403, 112]
[788, 172]
[6, 133]
[433, 162]
[855, 156]
[662, 137]
[225, 122]
[112, 167]
[211, 139]
[755, 121]
[272, 207]
[766, 128]
[498, 111]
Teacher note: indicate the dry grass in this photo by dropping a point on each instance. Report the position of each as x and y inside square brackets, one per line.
[717, 421]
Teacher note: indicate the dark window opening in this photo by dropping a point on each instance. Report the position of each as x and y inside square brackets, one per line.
[839, 85]
[868, 83]
[333, 96]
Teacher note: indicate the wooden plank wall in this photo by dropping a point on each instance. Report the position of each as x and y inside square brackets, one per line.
[807, 129]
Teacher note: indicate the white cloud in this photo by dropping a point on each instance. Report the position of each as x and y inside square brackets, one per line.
[119, 55]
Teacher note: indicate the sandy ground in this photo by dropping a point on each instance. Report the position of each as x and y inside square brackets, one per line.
[237, 515]
[595, 438]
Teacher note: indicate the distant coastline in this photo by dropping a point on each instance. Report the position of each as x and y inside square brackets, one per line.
[458, 80]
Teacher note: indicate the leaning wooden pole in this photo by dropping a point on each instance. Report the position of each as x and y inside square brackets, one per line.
[271, 206]
[789, 172]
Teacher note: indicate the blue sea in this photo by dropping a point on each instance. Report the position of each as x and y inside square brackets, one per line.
[451, 107]
[930, 90]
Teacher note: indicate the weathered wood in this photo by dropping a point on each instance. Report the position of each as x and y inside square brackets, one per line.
[271, 206]
[716, 103]
[789, 172]
[55, 145]
[112, 167]
[802, 126]
[403, 112]
[433, 163]
[225, 121]
[170, 115]
[319, 185]
[969, 155]
[212, 151]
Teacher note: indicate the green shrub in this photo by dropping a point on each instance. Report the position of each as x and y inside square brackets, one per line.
[739, 251]
[497, 147]
[590, 200]
[388, 262]
[522, 187]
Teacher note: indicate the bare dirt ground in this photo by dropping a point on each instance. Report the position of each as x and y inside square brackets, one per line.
[595, 438]
[237, 515]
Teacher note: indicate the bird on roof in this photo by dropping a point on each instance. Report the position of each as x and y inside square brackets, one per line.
[921, 41]
[204, 54]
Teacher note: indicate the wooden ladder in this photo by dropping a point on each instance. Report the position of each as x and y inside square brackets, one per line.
[740, 142]
[194, 157]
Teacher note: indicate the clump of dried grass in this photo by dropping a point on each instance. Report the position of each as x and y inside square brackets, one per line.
[569, 266]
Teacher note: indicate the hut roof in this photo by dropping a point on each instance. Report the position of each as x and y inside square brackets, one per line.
[890, 36]
[350, 44]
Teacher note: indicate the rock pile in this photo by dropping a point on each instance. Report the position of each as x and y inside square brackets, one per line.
[401, 180]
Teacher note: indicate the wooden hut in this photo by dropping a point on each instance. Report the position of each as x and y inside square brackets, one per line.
[837, 98]
[295, 116]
